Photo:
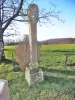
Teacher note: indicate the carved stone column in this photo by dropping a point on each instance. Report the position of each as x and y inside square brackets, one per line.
[32, 21]
[33, 75]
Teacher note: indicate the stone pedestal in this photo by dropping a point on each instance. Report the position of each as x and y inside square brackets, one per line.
[33, 76]
[4, 90]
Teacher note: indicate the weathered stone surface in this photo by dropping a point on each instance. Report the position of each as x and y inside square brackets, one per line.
[32, 21]
[33, 76]
[33, 13]
[23, 54]
[4, 90]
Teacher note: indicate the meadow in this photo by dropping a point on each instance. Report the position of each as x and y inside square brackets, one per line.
[59, 82]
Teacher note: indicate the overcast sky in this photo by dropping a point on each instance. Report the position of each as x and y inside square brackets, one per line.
[58, 30]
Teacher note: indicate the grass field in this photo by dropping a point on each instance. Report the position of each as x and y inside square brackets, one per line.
[59, 83]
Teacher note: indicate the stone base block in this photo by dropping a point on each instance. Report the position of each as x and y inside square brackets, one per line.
[33, 76]
[4, 91]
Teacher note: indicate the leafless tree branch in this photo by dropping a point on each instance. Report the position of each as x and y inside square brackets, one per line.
[14, 16]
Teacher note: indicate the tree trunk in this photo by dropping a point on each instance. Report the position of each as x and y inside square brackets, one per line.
[1, 35]
[1, 43]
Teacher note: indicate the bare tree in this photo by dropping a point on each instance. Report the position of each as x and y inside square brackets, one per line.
[11, 9]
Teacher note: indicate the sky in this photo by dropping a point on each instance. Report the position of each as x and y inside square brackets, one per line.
[58, 29]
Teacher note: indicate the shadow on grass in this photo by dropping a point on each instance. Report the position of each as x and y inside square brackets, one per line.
[60, 51]
[66, 72]
[8, 61]
[52, 79]
[15, 65]
[8, 49]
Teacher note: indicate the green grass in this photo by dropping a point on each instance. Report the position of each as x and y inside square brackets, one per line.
[58, 47]
[7, 70]
[8, 51]
[59, 84]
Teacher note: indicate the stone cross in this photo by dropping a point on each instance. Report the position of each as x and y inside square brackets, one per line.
[32, 21]
[32, 74]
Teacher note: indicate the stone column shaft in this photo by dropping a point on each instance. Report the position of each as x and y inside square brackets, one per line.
[33, 44]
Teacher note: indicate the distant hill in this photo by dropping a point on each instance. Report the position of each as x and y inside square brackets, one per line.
[59, 41]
